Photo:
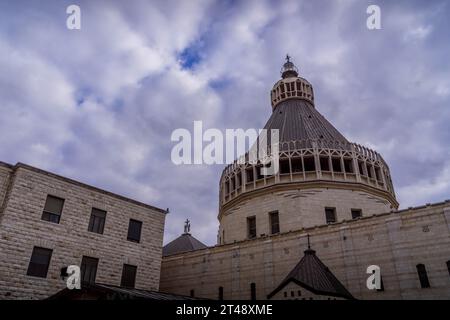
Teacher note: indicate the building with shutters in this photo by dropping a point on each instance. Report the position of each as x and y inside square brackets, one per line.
[338, 193]
[48, 222]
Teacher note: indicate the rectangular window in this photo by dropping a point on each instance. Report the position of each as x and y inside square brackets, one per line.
[258, 172]
[360, 167]
[39, 262]
[220, 293]
[88, 270]
[423, 276]
[348, 165]
[249, 174]
[369, 171]
[97, 221]
[128, 276]
[336, 162]
[238, 179]
[378, 174]
[296, 165]
[134, 230]
[284, 166]
[53, 209]
[324, 164]
[253, 291]
[309, 164]
[251, 227]
[274, 222]
[356, 213]
[330, 215]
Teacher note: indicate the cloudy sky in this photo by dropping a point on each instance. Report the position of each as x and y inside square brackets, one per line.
[99, 104]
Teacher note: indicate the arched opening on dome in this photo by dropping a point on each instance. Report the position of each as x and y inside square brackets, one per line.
[336, 164]
[310, 164]
[324, 163]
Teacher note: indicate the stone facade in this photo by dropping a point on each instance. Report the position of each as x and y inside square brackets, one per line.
[25, 189]
[298, 208]
[395, 241]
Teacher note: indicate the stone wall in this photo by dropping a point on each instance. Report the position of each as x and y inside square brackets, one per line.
[297, 209]
[5, 175]
[21, 228]
[396, 242]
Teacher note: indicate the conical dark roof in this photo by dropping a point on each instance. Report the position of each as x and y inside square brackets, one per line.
[183, 243]
[297, 119]
[312, 274]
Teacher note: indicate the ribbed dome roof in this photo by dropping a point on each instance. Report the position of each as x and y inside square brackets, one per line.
[297, 119]
[183, 243]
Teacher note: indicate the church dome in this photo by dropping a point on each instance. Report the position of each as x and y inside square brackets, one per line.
[313, 155]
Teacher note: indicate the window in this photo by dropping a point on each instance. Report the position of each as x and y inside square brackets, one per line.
[249, 174]
[381, 284]
[336, 162]
[192, 293]
[220, 293]
[309, 164]
[88, 270]
[253, 291]
[274, 222]
[369, 171]
[259, 174]
[330, 215]
[296, 165]
[53, 209]
[423, 277]
[39, 262]
[97, 221]
[128, 276]
[284, 166]
[448, 266]
[360, 167]
[324, 164]
[348, 165]
[251, 227]
[356, 213]
[378, 174]
[134, 230]
[238, 179]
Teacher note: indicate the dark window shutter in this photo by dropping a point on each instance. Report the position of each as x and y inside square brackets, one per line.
[97, 221]
[88, 270]
[128, 276]
[134, 230]
[39, 262]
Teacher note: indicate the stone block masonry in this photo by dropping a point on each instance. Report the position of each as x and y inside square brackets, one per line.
[23, 193]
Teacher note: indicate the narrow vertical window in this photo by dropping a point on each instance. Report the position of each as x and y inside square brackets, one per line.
[39, 262]
[448, 266]
[128, 276]
[274, 222]
[253, 291]
[88, 270]
[220, 293]
[97, 221]
[309, 164]
[251, 227]
[249, 174]
[53, 209]
[192, 293]
[330, 215]
[423, 276]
